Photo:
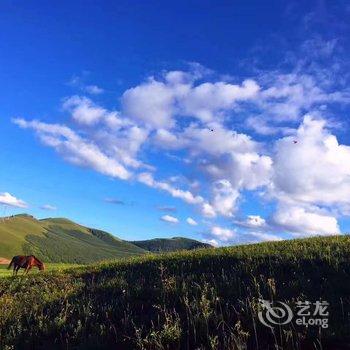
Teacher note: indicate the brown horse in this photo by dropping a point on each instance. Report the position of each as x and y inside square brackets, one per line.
[25, 262]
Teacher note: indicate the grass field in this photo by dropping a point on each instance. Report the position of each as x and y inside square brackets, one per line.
[59, 240]
[203, 299]
[4, 272]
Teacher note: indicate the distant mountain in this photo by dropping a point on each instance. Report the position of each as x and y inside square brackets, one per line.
[170, 244]
[60, 240]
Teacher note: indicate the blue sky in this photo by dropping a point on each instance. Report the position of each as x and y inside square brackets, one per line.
[225, 121]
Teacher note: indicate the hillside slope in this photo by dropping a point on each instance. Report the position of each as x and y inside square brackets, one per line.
[60, 240]
[201, 299]
[170, 244]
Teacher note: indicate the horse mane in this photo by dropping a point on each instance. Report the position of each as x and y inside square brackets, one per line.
[37, 260]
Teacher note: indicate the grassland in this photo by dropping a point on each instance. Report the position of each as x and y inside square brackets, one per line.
[58, 267]
[59, 240]
[203, 299]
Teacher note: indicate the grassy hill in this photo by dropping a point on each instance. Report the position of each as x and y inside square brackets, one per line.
[200, 299]
[60, 240]
[170, 244]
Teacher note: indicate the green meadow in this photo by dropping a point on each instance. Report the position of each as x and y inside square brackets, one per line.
[201, 299]
[4, 272]
[59, 240]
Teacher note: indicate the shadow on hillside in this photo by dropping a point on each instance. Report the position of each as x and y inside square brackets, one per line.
[184, 304]
[72, 246]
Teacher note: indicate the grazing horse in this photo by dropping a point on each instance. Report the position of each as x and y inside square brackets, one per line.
[25, 262]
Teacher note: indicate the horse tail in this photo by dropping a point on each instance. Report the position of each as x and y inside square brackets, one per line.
[11, 263]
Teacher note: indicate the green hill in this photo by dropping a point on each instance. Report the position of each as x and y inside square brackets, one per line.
[60, 240]
[170, 244]
[199, 299]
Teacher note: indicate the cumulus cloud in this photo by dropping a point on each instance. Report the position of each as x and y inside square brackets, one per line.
[252, 221]
[224, 197]
[288, 95]
[227, 236]
[156, 103]
[85, 112]
[264, 127]
[191, 222]
[222, 234]
[150, 103]
[204, 101]
[207, 210]
[230, 159]
[170, 219]
[302, 222]
[196, 120]
[10, 200]
[311, 166]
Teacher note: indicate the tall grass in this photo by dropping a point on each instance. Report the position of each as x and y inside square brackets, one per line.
[204, 299]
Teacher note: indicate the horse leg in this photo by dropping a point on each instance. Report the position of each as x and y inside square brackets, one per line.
[27, 269]
[17, 268]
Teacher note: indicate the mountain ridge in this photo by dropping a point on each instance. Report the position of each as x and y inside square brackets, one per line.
[61, 240]
[170, 244]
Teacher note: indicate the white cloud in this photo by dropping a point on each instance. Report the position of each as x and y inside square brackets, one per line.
[265, 127]
[94, 89]
[48, 207]
[212, 242]
[150, 103]
[10, 200]
[75, 149]
[187, 196]
[207, 210]
[170, 219]
[123, 144]
[78, 82]
[222, 234]
[231, 161]
[312, 167]
[258, 236]
[224, 198]
[226, 236]
[85, 112]
[304, 222]
[191, 222]
[263, 236]
[255, 221]
[204, 101]
[305, 173]
[288, 95]
[157, 102]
